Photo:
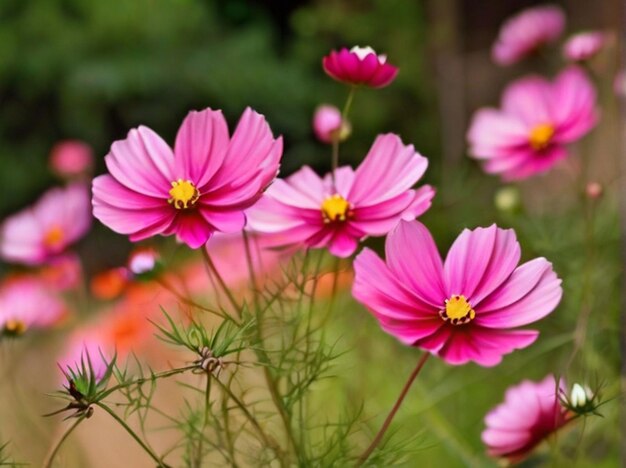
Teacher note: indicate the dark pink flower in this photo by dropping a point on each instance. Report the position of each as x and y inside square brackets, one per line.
[524, 33]
[37, 234]
[71, 158]
[359, 66]
[201, 186]
[531, 412]
[467, 308]
[306, 210]
[583, 46]
[538, 118]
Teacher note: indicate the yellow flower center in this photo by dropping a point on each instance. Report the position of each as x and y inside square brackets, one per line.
[458, 311]
[184, 194]
[14, 327]
[335, 208]
[541, 136]
[53, 237]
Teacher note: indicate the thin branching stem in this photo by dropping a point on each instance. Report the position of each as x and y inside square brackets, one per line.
[133, 434]
[381, 432]
[222, 283]
[157, 376]
[57, 446]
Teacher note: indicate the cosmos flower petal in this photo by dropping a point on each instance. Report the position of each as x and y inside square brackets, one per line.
[575, 104]
[413, 257]
[403, 168]
[200, 146]
[142, 162]
[532, 292]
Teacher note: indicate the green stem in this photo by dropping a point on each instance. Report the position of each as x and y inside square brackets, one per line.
[265, 439]
[57, 446]
[132, 433]
[220, 280]
[335, 142]
[160, 375]
[207, 406]
[186, 300]
[365, 455]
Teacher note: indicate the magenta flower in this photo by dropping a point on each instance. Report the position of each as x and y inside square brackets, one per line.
[531, 412]
[524, 33]
[37, 234]
[538, 118]
[583, 46]
[328, 125]
[202, 186]
[71, 158]
[306, 210]
[359, 66]
[466, 309]
[26, 303]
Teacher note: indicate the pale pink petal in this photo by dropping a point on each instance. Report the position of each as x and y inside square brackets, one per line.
[529, 99]
[493, 133]
[403, 167]
[422, 200]
[574, 105]
[227, 221]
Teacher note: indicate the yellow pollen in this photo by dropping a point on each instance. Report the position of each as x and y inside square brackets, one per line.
[541, 136]
[53, 237]
[184, 194]
[14, 327]
[335, 208]
[458, 311]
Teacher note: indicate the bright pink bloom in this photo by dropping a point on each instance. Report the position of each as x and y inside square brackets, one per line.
[466, 309]
[524, 33]
[202, 186]
[531, 411]
[306, 210]
[583, 46]
[359, 66]
[27, 303]
[71, 158]
[328, 124]
[538, 118]
[58, 219]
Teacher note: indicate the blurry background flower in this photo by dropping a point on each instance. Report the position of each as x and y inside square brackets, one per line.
[328, 124]
[526, 32]
[71, 159]
[583, 46]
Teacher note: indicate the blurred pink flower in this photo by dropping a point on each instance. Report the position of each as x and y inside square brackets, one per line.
[359, 66]
[35, 235]
[466, 309]
[531, 411]
[63, 272]
[524, 33]
[143, 260]
[538, 118]
[27, 303]
[71, 158]
[306, 210]
[202, 186]
[328, 124]
[583, 46]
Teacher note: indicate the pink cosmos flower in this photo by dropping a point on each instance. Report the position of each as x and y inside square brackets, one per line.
[531, 411]
[201, 186]
[359, 66]
[328, 124]
[38, 233]
[71, 158]
[26, 303]
[524, 33]
[583, 46]
[465, 309]
[306, 210]
[538, 118]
